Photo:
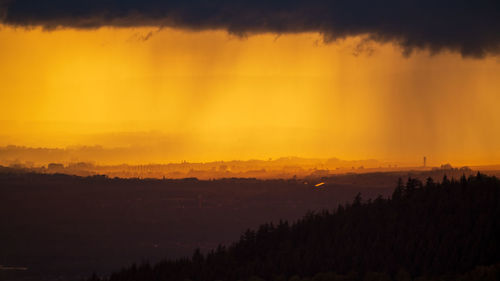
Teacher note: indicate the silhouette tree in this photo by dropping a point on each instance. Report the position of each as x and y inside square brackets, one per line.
[445, 231]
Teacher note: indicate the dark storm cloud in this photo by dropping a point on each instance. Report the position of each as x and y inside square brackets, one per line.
[470, 27]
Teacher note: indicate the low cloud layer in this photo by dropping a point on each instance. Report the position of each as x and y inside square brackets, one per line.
[466, 26]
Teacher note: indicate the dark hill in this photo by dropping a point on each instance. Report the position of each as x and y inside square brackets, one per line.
[441, 231]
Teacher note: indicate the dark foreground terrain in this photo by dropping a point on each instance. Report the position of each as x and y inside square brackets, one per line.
[60, 227]
[432, 231]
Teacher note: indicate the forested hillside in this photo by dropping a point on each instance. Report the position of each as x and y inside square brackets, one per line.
[434, 231]
[64, 227]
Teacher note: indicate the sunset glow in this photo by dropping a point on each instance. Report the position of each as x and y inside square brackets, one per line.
[251, 140]
[209, 95]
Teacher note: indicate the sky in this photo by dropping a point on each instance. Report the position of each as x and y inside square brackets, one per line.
[203, 84]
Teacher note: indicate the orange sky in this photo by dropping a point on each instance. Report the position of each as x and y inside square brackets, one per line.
[212, 96]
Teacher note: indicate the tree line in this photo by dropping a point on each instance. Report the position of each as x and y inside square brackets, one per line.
[446, 230]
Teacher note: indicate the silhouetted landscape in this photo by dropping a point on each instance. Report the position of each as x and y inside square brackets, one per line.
[432, 231]
[63, 227]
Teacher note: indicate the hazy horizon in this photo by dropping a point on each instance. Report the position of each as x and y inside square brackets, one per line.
[97, 154]
[153, 146]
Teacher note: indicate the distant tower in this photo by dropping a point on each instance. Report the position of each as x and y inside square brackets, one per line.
[425, 161]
